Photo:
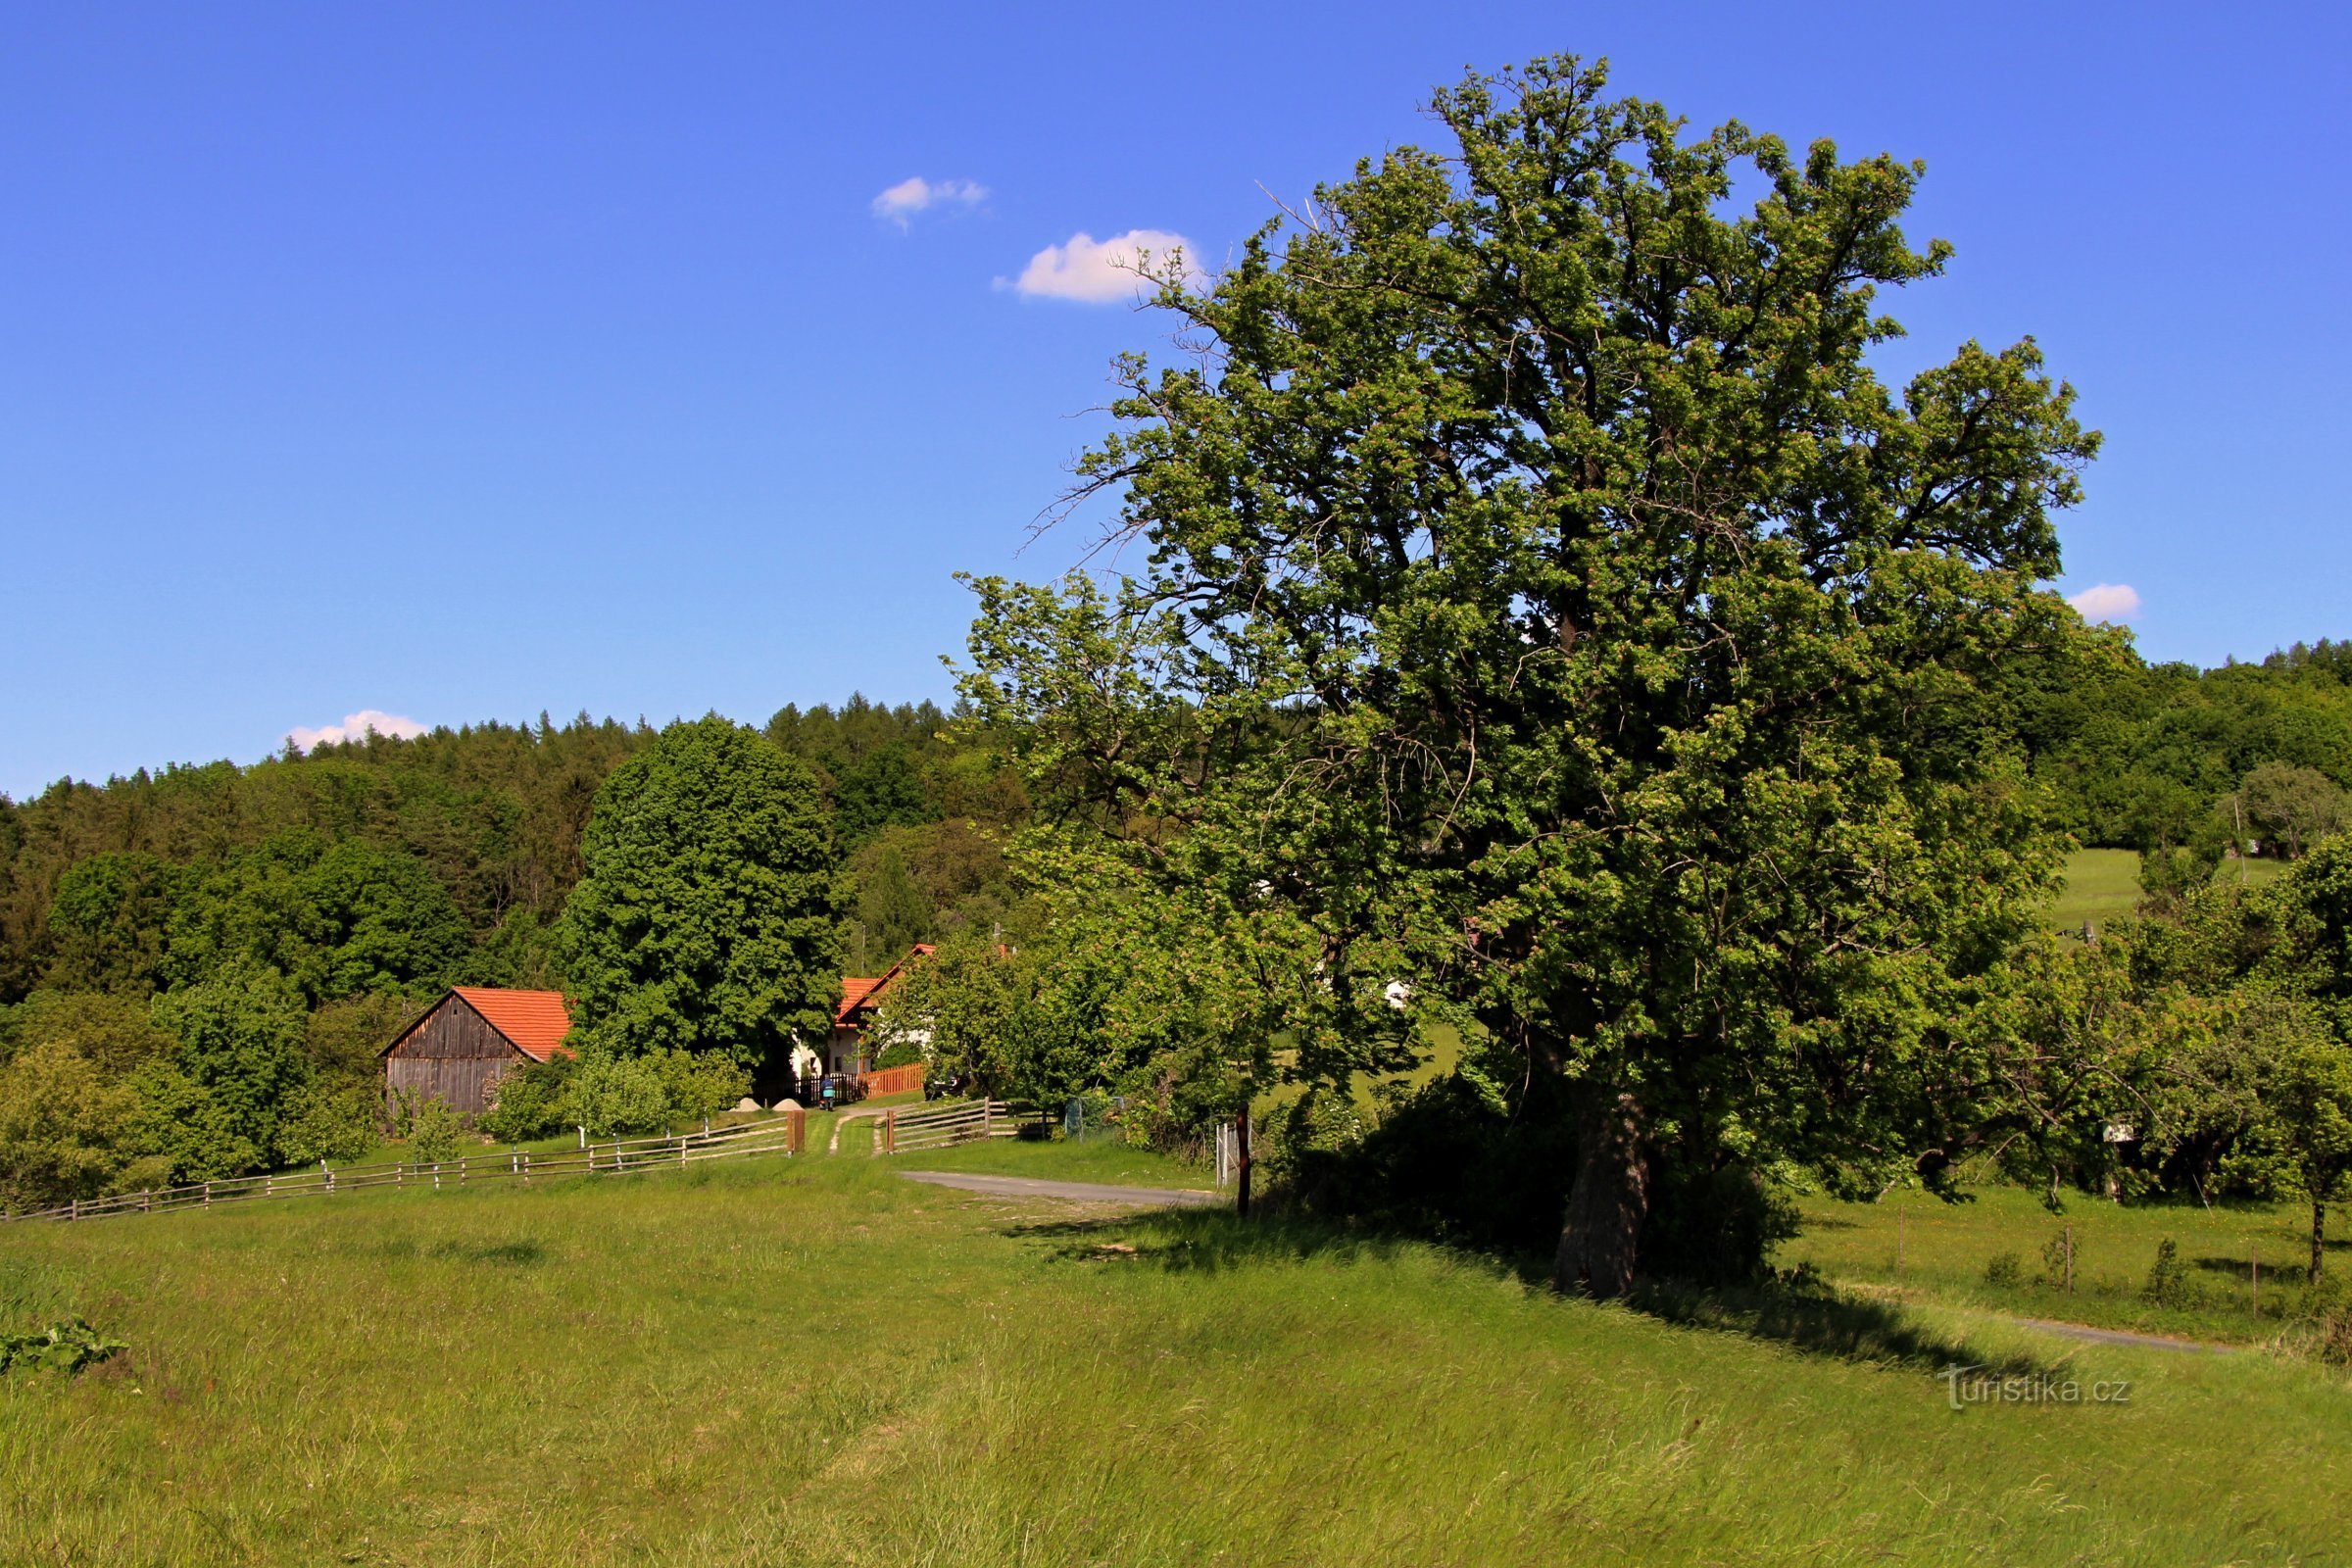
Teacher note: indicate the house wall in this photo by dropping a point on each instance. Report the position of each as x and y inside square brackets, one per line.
[451, 1055]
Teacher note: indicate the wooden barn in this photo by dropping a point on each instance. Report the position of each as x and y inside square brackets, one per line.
[465, 1041]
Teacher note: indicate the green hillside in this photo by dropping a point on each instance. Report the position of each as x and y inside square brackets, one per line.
[821, 1363]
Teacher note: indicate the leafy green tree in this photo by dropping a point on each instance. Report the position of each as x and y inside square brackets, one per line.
[706, 918]
[376, 919]
[884, 790]
[108, 918]
[1545, 604]
[66, 1128]
[889, 911]
[528, 1102]
[2291, 807]
[241, 1040]
[2307, 1128]
[611, 1096]
[699, 1085]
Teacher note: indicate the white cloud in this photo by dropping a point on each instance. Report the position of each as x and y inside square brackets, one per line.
[911, 196]
[355, 726]
[1097, 271]
[2107, 601]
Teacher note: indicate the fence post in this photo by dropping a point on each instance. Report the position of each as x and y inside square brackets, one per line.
[526, 1170]
[147, 1202]
[208, 1194]
[328, 1174]
[73, 1208]
[436, 1175]
[987, 1112]
[269, 1186]
[681, 1151]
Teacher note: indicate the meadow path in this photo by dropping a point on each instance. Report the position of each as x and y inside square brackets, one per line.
[1072, 1192]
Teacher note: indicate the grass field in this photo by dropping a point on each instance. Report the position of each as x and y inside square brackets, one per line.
[814, 1361]
[1945, 1250]
[2102, 886]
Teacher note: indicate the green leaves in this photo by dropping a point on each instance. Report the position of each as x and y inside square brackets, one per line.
[67, 1346]
[1544, 603]
[706, 921]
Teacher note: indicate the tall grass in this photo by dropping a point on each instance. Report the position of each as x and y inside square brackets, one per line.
[817, 1363]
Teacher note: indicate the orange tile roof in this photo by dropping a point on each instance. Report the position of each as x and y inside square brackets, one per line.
[858, 995]
[535, 1020]
[853, 990]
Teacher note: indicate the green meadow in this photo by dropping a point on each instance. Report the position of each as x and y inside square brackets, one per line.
[814, 1361]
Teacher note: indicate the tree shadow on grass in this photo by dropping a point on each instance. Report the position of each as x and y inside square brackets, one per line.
[1801, 1313]
[519, 1253]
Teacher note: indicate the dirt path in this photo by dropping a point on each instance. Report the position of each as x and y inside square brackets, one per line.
[1072, 1192]
[2146, 1342]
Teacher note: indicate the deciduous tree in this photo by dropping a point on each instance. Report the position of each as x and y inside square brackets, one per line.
[1543, 600]
[707, 916]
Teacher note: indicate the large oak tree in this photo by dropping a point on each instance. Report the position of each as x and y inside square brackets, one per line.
[1538, 595]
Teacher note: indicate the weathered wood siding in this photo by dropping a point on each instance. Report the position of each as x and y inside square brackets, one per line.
[451, 1055]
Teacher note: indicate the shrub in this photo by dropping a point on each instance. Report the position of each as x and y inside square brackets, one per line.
[2168, 1278]
[328, 1122]
[528, 1102]
[434, 1132]
[617, 1095]
[2057, 1260]
[2007, 1271]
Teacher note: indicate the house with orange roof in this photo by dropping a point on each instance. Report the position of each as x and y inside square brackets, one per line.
[849, 1048]
[474, 1035]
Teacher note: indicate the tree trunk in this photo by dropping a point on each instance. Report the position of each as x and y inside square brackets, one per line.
[1609, 1200]
[2318, 1237]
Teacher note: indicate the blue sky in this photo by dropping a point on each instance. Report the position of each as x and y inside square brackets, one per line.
[460, 361]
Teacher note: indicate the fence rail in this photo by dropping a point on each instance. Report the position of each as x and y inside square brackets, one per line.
[937, 1127]
[787, 1136]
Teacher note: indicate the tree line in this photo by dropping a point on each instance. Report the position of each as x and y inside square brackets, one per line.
[202, 963]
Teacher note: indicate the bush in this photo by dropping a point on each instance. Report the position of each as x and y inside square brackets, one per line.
[2007, 1271]
[613, 1096]
[435, 1134]
[325, 1122]
[528, 1102]
[700, 1084]
[2167, 1279]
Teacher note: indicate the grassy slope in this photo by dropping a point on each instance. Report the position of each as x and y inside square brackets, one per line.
[817, 1363]
[2102, 886]
[1102, 1159]
[1946, 1246]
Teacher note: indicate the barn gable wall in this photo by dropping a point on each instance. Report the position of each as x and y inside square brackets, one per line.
[451, 1055]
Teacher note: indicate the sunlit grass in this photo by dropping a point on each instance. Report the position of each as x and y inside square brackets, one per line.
[1946, 1249]
[814, 1361]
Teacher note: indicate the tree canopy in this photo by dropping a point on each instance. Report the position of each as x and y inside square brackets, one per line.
[705, 918]
[1545, 602]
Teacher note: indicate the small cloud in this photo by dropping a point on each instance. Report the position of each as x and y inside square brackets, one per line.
[1099, 272]
[2107, 601]
[355, 726]
[911, 196]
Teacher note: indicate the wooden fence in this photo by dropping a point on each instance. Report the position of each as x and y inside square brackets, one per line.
[892, 1080]
[787, 1135]
[906, 1131]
